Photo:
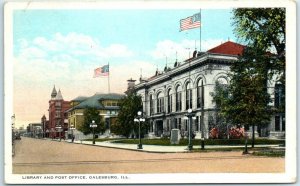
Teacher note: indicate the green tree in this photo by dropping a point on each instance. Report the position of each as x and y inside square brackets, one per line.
[89, 115]
[125, 125]
[263, 29]
[247, 101]
[220, 97]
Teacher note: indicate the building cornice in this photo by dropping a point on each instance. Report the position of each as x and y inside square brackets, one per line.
[206, 58]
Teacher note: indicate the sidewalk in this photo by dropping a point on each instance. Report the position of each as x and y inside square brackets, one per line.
[158, 148]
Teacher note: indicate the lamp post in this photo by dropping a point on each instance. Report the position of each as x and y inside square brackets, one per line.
[139, 119]
[93, 126]
[58, 127]
[190, 116]
[246, 143]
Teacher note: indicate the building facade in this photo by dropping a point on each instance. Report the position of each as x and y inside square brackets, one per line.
[168, 95]
[45, 126]
[106, 104]
[58, 121]
[34, 130]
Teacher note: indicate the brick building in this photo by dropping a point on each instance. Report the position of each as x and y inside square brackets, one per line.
[58, 122]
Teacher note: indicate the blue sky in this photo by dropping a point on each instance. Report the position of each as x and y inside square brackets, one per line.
[147, 27]
[63, 47]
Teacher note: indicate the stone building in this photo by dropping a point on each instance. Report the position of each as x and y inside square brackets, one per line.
[45, 126]
[106, 104]
[168, 95]
[58, 122]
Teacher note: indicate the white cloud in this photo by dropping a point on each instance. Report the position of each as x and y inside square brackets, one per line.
[184, 48]
[77, 45]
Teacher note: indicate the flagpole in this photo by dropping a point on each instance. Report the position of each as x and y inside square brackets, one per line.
[108, 78]
[200, 29]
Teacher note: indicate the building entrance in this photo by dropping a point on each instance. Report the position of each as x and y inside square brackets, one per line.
[159, 128]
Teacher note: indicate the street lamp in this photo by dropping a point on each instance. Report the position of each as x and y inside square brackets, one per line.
[190, 116]
[58, 127]
[139, 119]
[93, 126]
[246, 143]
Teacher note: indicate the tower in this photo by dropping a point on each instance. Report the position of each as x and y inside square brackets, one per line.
[54, 93]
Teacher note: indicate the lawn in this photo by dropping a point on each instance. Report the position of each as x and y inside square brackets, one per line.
[184, 142]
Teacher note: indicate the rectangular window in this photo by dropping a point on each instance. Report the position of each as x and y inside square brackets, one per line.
[277, 123]
[188, 103]
[151, 105]
[179, 123]
[175, 123]
[169, 104]
[279, 95]
[178, 101]
[283, 123]
[58, 104]
[57, 114]
[197, 123]
[200, 97]
[160, 105]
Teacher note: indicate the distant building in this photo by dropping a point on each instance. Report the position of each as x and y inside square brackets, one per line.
[45, 126]
[34, 130]
[58, 122]
[169, 94]
[106, 104]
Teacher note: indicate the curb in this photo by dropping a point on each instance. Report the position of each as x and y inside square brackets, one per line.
[137, 150]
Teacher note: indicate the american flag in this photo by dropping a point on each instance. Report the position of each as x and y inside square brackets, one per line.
[101, 71]
[190, 22]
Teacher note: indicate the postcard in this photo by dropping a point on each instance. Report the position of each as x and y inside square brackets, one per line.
[150, 92]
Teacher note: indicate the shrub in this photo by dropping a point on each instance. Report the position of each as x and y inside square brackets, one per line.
[236, 133]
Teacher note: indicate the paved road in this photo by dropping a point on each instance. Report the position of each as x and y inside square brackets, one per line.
[49, 157]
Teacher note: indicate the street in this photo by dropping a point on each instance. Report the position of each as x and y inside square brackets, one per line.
[38, 156]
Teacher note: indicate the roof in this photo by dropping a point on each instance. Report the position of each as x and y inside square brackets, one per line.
[58, 96]
[94, 101]
[228, 48]
[54, 93]
[80, 98]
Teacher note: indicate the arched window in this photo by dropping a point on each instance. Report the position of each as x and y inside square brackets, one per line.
[169, 101]
[160, 102]
[151, 105]
[178, 98]
[188, 96]
[200, 94]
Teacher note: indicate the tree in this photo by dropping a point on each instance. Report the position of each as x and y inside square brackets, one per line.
[263, 32]
[264, 29]
[89, 115]
[220, 97]
[125, 125]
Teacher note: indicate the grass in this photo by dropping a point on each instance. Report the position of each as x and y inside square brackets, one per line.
[101, 139]
[183, 142]
[270, 153]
